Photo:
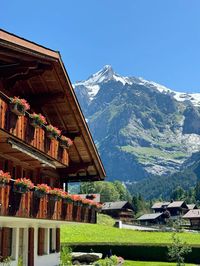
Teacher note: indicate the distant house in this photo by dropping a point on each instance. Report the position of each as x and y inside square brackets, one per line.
[160, 206]
[152, 218]
[177, 208]
[122, 210]
[194, 217]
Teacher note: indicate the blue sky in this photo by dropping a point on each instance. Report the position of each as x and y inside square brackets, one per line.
[154, 39]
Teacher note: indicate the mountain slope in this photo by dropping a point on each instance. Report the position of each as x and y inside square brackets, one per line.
[142, 129]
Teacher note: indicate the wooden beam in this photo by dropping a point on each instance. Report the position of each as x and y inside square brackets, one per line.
[79, 178]
[11, 73]
[44, 98]
[75, 167]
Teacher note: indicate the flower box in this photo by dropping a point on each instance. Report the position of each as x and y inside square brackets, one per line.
[51, 135]
[39, 194]
[52, 132]
[4, 178]
[19, 106]
[55, 194]
[41, 190]
[17, 109]
[22, 185]
[65, 142]
[66, 198]
[77, 200]
[37, 120]
[20, 189]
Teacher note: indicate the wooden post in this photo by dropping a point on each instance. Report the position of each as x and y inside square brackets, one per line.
[57, 239]
[31, 247]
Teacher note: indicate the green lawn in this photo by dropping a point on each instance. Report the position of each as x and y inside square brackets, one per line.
[143, 263]
[92, 233]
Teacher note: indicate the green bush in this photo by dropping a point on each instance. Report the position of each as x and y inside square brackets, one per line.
[112, 261]
[65, 256]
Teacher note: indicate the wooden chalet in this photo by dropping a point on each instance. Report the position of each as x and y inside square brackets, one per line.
[152, 219]
[29, 223]
[121, 210]
[177, 208]
[194, 217]
[160, 206]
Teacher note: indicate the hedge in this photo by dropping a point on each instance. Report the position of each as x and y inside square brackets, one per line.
[142, 252]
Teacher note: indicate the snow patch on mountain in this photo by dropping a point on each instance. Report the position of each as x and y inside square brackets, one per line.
[194, 98]
[107, 73]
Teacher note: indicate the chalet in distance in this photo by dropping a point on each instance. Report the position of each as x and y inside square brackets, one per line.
[175, 208]
[152, 219]
[44, 144]
[194, 217]
[121, 210]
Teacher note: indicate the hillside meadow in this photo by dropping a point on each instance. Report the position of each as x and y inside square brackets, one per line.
[98, 233]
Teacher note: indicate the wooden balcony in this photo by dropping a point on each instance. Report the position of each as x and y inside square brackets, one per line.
[20, 127]
[29, 206]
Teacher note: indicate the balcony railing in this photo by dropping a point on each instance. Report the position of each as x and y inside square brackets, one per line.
[27, 205]
[20, 127]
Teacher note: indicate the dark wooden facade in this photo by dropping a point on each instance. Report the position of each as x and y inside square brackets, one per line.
[121, 210]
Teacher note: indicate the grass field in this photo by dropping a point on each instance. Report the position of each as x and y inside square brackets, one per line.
[92, 233]
[143, 263]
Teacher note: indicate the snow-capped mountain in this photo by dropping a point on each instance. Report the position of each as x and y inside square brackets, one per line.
[107, 74]
[142, 129]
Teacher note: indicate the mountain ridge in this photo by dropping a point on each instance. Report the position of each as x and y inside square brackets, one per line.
[107, 73]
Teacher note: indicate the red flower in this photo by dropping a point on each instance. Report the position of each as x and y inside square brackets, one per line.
[5, 176]
[24, 182]
[21, 102]
[43, 187]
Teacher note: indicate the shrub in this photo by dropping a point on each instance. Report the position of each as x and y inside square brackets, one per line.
[177, 250]
[65, 256]
[112, 261]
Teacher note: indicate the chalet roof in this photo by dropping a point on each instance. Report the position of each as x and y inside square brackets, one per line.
[158, 205]
[38, 74]
[192, 214]
[149, 216]
[191, 206]
[177, 204]
[117, 205]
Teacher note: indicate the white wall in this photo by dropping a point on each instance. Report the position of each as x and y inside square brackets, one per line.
[45, 260]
